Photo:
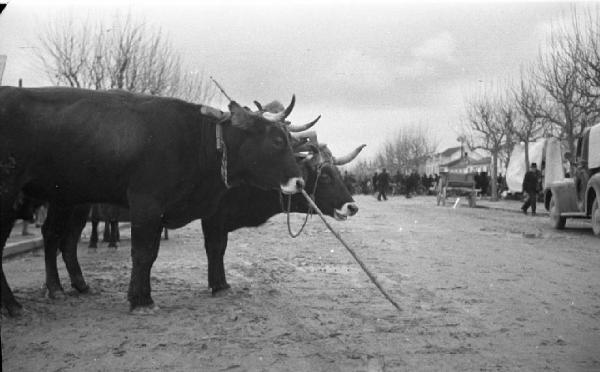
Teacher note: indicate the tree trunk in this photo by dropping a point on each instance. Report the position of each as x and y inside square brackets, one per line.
[526, 156]
[494, 196]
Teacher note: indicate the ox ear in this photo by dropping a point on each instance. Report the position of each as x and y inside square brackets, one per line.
[240, 117]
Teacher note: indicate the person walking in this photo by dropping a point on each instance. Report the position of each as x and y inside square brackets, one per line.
[383, 182]
[374, 182]
[531, 183]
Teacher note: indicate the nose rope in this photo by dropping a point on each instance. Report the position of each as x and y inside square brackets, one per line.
[310, 209]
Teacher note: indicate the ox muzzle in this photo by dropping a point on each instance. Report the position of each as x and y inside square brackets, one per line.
[294, 185]
[347, 210]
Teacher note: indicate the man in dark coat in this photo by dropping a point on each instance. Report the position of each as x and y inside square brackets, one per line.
[530, 188]
[383, 182]
[374, 181]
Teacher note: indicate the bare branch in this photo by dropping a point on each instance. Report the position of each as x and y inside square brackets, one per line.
[124, 54]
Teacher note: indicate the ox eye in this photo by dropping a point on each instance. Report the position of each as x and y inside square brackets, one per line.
[325, 178]
[278, 142]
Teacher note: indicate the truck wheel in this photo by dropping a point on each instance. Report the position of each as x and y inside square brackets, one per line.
[596, 217]
[558, 222]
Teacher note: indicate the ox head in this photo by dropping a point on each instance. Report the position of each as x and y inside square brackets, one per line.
[323, 179]
[259, 149]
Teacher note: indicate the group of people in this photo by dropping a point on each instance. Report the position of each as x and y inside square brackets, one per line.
[408, 184]
[381, 184]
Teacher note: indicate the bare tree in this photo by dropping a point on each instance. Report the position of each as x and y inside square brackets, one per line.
[408, 149]
[585, 52]
[65, 52]
[529, 123]
[508, 113]
[124, 54]
[487, 124]
[571, 96]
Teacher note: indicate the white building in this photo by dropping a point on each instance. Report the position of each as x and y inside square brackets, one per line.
[473, 160]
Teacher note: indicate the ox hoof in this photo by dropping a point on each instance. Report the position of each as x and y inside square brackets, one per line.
[145, 310]
[221, 292]
[79, 284]
[84, 290]
[13, 310]
[79, 288]
[55, 294]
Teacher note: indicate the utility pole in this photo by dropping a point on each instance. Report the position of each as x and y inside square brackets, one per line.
[2, 65]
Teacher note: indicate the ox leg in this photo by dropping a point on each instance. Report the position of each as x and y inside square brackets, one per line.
[106, 235]
[166, 232]
[114, 233]
[146, 229]
[54, 229]
[68, 246]
[94, 235]
[7, 220]
[215, 243]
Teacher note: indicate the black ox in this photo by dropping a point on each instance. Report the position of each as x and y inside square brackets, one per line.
[249, 207]
[163, 158]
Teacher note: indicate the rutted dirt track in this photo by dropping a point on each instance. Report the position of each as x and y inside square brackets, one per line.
[481, 290]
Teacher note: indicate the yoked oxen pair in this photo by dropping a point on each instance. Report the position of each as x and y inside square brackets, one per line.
[167, 160]
[248, 206]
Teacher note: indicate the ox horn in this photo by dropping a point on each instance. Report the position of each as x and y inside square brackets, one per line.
[301, 128]
[280, 116]
[349, 157]
[258, 105]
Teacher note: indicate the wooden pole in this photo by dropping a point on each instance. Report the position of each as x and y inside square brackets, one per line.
[362, 265]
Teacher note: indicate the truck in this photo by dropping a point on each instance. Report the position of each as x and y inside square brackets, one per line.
[579, 196]
[547, 153]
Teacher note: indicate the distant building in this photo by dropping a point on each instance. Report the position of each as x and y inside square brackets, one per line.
[459, 159]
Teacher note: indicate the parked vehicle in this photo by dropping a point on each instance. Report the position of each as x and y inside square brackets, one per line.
[547, 153]
[578, 197]
[456, 184]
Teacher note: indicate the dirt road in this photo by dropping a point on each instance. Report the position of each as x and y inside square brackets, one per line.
[481, 290]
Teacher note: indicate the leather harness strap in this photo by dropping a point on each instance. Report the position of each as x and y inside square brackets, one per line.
[220, 141]
[222, 148]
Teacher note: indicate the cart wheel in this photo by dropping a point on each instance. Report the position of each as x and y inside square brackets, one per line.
[558, 222]
[471, 201]
[596, 217]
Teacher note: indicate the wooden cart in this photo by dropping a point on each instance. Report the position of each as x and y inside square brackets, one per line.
[458, 185]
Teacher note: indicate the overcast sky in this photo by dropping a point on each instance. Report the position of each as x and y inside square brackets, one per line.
[368, 67]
